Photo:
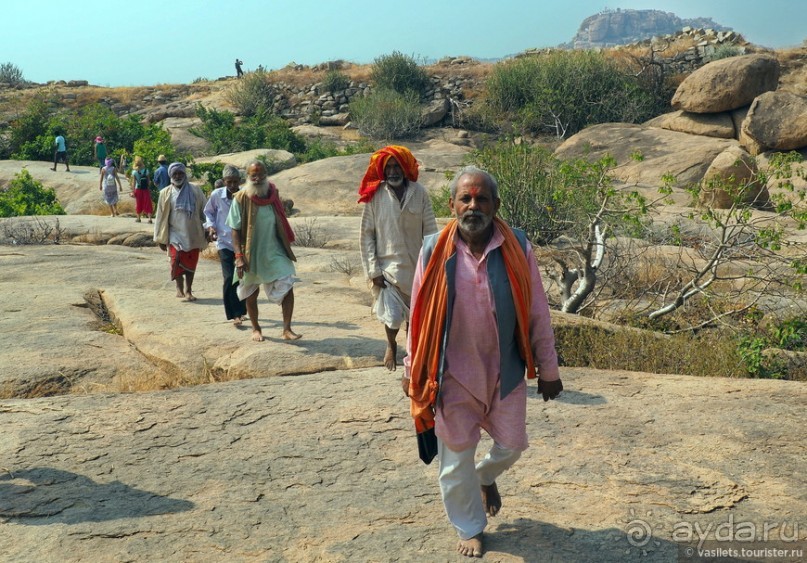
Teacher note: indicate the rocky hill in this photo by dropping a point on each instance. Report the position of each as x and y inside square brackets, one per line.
[623, 27]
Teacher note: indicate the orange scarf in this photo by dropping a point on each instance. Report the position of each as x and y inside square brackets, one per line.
[428, 318]
[375, 171]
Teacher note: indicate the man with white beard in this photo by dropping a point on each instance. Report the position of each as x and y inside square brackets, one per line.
[262, 240]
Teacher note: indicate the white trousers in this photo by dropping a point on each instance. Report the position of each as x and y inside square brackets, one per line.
[460, 483]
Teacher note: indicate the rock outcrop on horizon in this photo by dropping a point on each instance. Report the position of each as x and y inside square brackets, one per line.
[624, 26]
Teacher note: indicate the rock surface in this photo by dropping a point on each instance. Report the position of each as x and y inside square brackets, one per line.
[323, 467]
[314, 460]
[662, 152]
[709, 124]
[778, 120]
[727, 84]
[735, 170]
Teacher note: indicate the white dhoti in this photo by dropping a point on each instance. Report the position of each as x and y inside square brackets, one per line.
[275, 291]
[390, 305]
[460, 483]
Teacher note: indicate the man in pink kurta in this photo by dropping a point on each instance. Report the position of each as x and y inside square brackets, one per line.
[471, 396]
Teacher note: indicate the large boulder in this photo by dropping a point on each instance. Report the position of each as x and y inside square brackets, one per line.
[718, 125]
[434, 113]
[732, 178]
[186, 142]
[660, 152]
[751, 145]
[778, 120]
[727, 84]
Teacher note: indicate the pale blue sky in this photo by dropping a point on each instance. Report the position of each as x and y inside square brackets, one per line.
[146, 42]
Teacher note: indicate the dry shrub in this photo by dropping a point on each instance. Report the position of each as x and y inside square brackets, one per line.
[709, 354]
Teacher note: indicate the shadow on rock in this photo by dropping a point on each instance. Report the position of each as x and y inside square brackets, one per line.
[573, 398]
[538, 541]
[44, 495]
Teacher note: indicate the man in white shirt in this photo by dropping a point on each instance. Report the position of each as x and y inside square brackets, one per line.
[217, 209]
[396, 216]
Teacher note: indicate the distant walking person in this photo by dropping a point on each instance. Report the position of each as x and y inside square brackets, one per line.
[141, 179]
[60, 154]
[160, 178]
[238, 72]
[109, 183]
[216, 210]
[100, 151]
[178, 227]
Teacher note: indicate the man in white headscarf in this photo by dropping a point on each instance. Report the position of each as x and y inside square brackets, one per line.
[179, 227]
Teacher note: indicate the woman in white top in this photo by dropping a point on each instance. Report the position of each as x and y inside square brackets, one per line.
[109, 183]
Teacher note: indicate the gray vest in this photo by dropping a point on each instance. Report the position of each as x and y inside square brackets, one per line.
[511, 365]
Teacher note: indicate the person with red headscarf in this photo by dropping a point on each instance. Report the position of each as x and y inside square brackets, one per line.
[396, 216]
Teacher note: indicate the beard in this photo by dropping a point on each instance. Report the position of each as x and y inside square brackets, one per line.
[474, 222]
[395, 181]
[257, 189]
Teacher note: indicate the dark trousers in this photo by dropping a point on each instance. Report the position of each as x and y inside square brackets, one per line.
[233, 307]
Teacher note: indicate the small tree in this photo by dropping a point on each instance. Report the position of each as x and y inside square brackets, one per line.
[26, 196]
[743, 257]
[11, 74]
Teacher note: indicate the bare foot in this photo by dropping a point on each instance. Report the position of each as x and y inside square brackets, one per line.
[291, 335]
[390, 360]
[491, 499]
[238, 321]
[191, 297]
[257, 335]
[471, 547]
[180, 293]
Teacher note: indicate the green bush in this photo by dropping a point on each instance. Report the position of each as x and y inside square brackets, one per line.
[26, 196]
[387, 114]
[335, 80]
[208, 172]
[318, 149]
[562, 92]
[154, 142]
[439, 200]
[541, 194]
[31, 135]
[260, 131]
[24, 130]
[399, 73]
[724, 52]
[11, 74]
[252, 94]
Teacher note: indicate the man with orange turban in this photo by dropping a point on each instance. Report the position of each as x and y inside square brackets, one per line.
[396, 216]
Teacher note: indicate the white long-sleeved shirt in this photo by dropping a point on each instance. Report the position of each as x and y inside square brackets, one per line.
[392, 233]
[216, 210]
